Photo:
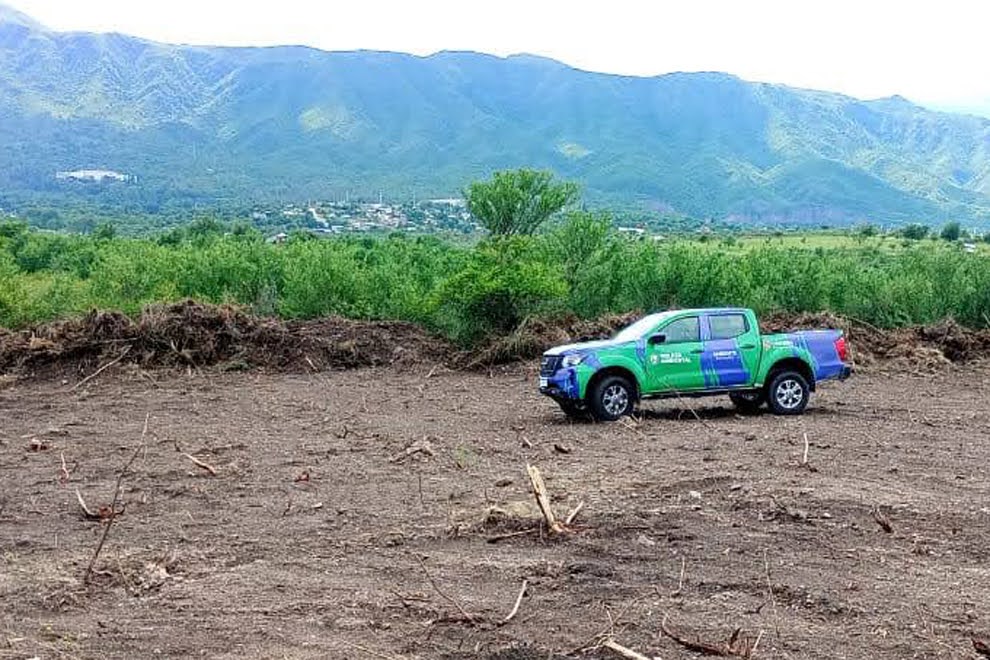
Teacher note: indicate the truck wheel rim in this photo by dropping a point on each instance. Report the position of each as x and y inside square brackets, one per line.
[790, 394]
[615, 400]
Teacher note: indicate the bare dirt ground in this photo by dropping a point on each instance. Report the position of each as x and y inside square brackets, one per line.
[319, 537]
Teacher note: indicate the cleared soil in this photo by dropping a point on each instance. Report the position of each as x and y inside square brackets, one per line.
[319, 537]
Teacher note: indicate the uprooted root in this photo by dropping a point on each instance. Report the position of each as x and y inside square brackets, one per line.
[737, 646]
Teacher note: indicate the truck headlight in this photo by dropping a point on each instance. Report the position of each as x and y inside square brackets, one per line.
[572, 360]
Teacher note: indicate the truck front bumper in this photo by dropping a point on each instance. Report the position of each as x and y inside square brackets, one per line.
[561, 386]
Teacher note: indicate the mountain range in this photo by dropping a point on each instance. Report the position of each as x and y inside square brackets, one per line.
[216, 125]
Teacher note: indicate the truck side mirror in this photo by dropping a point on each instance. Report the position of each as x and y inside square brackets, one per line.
[658, 338]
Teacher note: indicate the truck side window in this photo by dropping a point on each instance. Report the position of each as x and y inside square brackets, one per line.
[728, 326]
[683, 330]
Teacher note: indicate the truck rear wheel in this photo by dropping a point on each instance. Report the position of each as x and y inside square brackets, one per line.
[788, 393]
[611, 398]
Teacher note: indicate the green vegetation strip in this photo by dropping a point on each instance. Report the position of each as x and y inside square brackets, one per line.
[467, 292]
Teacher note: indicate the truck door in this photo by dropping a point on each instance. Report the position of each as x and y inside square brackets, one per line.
[674, 364]
[731, 352]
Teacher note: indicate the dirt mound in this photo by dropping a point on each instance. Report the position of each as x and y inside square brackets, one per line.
[536, 335]
[920, 347]
[198, 335]
[340, 343]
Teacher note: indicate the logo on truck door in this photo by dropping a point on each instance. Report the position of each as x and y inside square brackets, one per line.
[669, 358]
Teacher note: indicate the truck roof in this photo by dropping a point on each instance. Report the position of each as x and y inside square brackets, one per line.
[705, 310]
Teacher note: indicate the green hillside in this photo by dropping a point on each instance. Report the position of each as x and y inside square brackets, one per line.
[215, 125]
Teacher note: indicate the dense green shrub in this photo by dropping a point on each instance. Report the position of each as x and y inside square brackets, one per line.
[502, 282]
[915, 231]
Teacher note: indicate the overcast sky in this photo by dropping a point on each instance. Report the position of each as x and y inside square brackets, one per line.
[931, 52]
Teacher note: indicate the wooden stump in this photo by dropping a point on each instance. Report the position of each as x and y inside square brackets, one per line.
[543, 500]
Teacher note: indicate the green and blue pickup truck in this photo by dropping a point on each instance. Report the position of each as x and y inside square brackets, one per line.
[690, 353]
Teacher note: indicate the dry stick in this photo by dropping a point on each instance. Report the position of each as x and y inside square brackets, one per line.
[101, 369]
[543, 500]
[116, 498]
[447, 598]
[515, 608]
[573, 514]
[510, 535]
[609, 630]
[632, 428]
[694, 412]
[89, 515]
[65, 469]
[804, 459]
[206, 466]
[862, 322]
[697, 645]
[773, 599]
[623, 651]
[752, 649]
[680, 583]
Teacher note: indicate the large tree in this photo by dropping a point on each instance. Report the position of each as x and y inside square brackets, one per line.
[518, 201]
[951, 231]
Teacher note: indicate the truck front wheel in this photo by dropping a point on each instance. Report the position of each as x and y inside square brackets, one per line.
[748, 402]
[611, 398]
[788, 393]
[573, 409]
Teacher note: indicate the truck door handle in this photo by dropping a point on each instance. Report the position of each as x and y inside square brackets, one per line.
[698, 350]
[747, 346]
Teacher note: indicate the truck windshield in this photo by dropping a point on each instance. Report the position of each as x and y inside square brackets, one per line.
[641, 327]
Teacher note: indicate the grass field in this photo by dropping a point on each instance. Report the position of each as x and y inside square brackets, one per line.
[844, 241]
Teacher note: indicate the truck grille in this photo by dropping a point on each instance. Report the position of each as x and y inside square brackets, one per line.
[549, 364]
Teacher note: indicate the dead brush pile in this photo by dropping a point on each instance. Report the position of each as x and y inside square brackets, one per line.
[191, 334]
[916, 347]
[536, 335]
[198, 335]
[919, 347]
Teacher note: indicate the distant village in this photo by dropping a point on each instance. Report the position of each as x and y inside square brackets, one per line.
[95, 176]
[425, 216]
[346, 217]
